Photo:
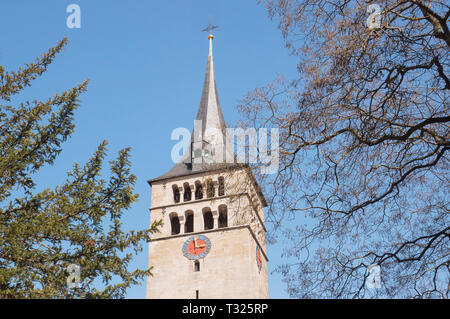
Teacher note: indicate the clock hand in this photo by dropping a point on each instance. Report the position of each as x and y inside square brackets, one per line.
[198, 246]
[195, 245]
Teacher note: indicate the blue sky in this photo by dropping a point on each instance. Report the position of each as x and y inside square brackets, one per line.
[146, 62]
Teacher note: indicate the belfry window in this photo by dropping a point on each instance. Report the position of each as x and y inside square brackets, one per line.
[221, 190]
[174, 224]
[223, 216]
[210, 191]
[208, 220]
[187, 192]
[176, 194]
[189, 224]
[198, 190]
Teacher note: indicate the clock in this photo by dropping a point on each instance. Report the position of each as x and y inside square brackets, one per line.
[196, 247]
[258, 258]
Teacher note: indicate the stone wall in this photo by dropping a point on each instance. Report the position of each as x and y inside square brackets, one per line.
[230, 269]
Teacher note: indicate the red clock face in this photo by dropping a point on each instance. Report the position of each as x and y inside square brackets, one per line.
[258, 258]
[196, 247]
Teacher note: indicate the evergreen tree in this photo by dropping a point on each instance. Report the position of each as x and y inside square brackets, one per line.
[44, 236]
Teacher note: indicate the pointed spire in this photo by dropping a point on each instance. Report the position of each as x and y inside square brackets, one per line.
[210, 112]
[208, 124]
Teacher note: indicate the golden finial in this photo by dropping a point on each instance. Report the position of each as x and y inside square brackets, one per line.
[210, 36]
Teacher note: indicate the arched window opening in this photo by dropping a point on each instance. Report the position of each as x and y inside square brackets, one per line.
[187, 192]
[210, 191]
[196, 266]
[189, 224]
[223, 216]
[198, 190]
[221, 191]
[176, 193]
[174, 224]
[208, 220]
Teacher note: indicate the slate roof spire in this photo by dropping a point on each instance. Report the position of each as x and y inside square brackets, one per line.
[210, 112]
[209, 118]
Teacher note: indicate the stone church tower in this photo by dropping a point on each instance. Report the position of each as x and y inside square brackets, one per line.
[212, 244]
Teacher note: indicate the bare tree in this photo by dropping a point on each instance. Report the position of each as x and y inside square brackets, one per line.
[364, 140]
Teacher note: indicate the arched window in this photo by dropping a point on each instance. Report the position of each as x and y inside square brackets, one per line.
[208, 220]
[189, 224]
[210, 191]
[198, 190]
[174, 224]
[223, 216]
[187, 192]
[196, 266]
[176, 193]
[221, 190]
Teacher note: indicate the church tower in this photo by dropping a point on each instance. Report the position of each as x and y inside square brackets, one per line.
[212, 243]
